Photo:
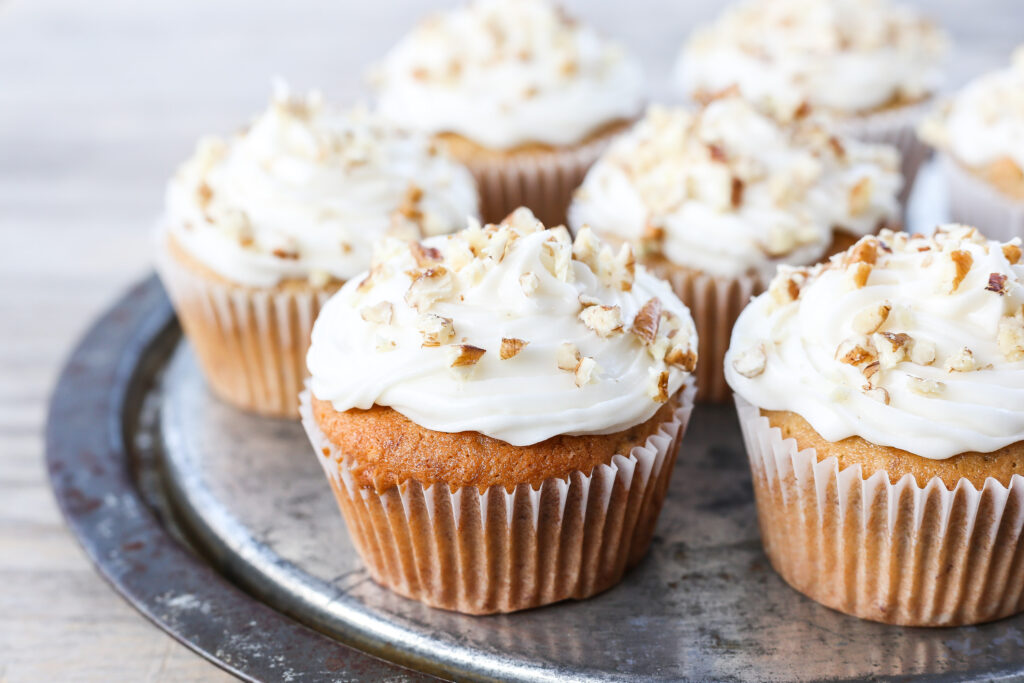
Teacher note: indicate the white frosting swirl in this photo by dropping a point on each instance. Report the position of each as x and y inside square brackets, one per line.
[923, 351]
[305, 191]
[984, 122]
[728, 190]
[504, 73]
[511, 331]
[849, 56]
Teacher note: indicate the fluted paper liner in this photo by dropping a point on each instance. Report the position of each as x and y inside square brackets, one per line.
[896, 127]
[896, 553]
[251, 343]
[973, 201]
[543, 181]
[482, 552]
[715, 302]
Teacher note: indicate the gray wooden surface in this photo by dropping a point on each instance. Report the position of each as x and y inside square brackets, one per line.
[98, 102]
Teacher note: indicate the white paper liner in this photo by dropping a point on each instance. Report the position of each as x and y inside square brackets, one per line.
[251, 343]
[715, 302]
[973, 201]
[896, 553]
[896, 127]
[542, 181]
[482, 552]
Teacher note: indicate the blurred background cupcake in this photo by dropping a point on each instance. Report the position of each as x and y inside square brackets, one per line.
[713, 199]
[980, 134]
[870, 64]
[261, 228]
[498, 413]
[881, 397]
[521, 93]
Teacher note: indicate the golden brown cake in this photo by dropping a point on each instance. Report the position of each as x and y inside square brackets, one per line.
[498, 413]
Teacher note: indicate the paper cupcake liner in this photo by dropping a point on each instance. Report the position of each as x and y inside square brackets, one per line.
[715, 303]
[542, 181]
[896, 553]
[896, 127]
[251, 343]
[975, 202]
[482, 552]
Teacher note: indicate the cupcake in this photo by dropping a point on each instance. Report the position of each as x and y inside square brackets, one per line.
[522, 94]
[498, 413]
[881, 397]
[868, 63]
[980, 134]
[260, 229]
[714, 199]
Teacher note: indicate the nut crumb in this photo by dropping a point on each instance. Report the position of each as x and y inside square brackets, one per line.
[435, 329]
[925, 387]
[462, 355]
[510, 347]
[568, 357]
[603, 320]
[870, 319]
[380, 313]
[648, 318]
[751, 362]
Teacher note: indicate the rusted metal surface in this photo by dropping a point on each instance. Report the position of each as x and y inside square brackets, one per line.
[94, 413]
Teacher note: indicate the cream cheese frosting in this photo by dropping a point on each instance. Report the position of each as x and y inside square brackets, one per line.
[729, 190]
[911, 342]
[848, 56]
[984, 122]
[509, 330]
[505, 73]
[305, 191]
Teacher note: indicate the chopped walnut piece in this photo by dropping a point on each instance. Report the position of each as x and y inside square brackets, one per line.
[925, 387]
[604, 320]
[859, 274]
[510, 347]
[864, 251]
[962, 261]
[1011, 337]
[426, 257]
[997, 283]
[429, 286]
[892, 348]
[436, 330]
[855, 351]
[871, 318]
[963, 361]
[568, 357]
[648, 318]
[877, 394]
[859, 199]
[586, 371]
[750, 362]
[685, 358]
[463, 355]
[922, 352]
[380, 313]
[1012, 252]
[529, 282]
[657, 389]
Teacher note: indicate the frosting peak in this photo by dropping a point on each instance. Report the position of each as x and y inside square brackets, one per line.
[504, 73]
[306, 189]
[849, 56]
[907, 341]
[510, 330]
[727, 189]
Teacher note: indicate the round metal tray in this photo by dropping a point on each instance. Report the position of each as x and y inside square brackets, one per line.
[181, 501]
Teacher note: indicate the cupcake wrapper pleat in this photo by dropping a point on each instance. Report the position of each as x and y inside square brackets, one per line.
[251, 343]
[543, 181]
[973, 201]
[715, 303]
[896, 553]
[482, 552]
[896, 127]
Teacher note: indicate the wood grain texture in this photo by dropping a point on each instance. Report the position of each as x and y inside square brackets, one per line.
[98, 102]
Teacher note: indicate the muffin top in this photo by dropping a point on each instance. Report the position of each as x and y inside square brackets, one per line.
[505, 73]
[305, 190]
[911, 342]
[729, 190]
[848, 56]
[984, 123]
[509, 330]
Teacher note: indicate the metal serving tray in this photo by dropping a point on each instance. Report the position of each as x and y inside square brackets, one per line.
[220, 527]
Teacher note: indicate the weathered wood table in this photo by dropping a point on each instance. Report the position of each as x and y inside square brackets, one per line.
[98, 102]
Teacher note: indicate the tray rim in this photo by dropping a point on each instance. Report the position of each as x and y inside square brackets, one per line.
[91, 471]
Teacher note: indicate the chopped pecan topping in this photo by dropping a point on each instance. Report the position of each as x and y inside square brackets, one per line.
[962, 262]
[878, 394]
[529, 282]
[1012, 253]
[568, 357]
[996, 283]
[648, 318]
[963, 361]
[750, 362]
[859, 274]
[925, 387]
[429, 286]
[586, 371]
[462, 355]
[658, 387]
[870, 319]
[855, 352]
[1011, 337]
[287, 254]
[604, 320]
[510, 347]
[922, 352]
[426, 257]
[435, 329]
[865, 251]
[736, 193]
[684, 358]
[380, 313]
[860, 197]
